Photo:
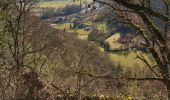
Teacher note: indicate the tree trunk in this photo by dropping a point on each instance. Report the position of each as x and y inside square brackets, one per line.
[168, 89]
[167, 84]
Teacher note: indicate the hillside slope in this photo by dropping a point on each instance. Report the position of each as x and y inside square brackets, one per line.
[67, 56]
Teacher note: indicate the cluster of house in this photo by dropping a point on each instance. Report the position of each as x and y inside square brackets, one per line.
[85, 8]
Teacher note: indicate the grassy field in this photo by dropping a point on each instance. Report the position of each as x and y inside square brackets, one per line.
[82, 34]
[59, 4]
[130, 59]
[52, 4]
[102, 27]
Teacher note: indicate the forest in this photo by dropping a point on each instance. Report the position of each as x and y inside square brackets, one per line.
[84, 50]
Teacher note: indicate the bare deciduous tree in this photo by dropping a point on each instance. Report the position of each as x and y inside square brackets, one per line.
[143, 16]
